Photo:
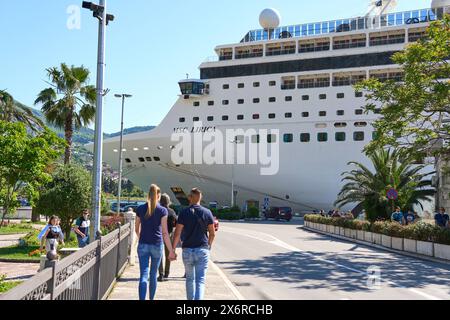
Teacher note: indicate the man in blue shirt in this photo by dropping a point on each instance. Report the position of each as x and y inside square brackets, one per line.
[442, 218]
[397, 216]
[409, 217]
[196, 227]
[81, 229]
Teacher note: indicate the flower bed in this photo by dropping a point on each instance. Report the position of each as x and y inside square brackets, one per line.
[420, 238]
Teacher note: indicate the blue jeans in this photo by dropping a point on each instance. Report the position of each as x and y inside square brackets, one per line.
[147, 253]
[196, 264]
[83, 242]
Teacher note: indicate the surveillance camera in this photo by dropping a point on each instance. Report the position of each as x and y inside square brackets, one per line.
[87, 5]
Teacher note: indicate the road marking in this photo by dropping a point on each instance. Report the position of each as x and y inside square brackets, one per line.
[277, 242]
[227, 281]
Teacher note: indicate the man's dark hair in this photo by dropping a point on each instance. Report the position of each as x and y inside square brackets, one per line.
[442, 209]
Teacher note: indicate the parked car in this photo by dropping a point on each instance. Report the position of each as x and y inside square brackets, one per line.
[279, 213]
[216, 224]
[132, 206]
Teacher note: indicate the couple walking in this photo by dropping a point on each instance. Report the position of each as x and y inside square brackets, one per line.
[194, 229]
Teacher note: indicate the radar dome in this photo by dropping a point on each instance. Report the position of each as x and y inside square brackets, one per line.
[269, 19]
[439, 3]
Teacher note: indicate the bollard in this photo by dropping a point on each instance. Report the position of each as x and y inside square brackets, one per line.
[131, 218]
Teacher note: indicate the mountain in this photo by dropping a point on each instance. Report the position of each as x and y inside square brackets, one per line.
[86, 135]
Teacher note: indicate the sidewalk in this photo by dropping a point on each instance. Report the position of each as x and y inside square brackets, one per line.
[10, 240]
[217, 287]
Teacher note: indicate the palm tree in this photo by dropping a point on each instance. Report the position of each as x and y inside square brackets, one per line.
[69, 102]
[392, 169]
[13, 111]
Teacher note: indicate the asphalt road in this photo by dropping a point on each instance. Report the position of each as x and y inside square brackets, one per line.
[282, 261]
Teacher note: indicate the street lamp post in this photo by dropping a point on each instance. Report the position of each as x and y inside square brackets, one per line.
[235, 141]
[99, 12]
[119, 191]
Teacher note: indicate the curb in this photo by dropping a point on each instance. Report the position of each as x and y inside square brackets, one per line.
[404, 253]
[227, 281]
[19, 261]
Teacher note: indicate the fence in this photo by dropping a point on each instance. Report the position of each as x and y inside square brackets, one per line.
[88, 274]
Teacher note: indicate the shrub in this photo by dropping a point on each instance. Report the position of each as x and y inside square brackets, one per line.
[361, 225]
[227, 215]
[442, 236]
[394, 230]
[252, 213]
[110, 224]
[423, 231]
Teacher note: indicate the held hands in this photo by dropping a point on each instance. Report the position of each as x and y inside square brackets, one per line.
[172, 256]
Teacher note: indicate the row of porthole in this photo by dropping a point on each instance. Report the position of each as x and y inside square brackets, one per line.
[274, 99]
[272, 116]
[358, 136]
[145, 159]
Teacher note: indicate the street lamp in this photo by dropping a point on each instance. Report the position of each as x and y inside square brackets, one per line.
[119, 191]
[235, 141]
[99, 12]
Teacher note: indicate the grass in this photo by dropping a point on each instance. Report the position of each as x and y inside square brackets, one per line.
[8, 285]
[16, 229]
[17, 253]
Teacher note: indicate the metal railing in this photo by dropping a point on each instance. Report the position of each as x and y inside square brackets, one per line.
[88, 274]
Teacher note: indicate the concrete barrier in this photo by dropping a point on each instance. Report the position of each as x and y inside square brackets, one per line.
[425, 248]
[368, 236]
[360, 235]
[442, 251]
[376, 239]
[386, 241]
[397, 243]
[410, 245]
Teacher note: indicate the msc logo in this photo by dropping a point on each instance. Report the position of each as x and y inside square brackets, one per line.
[74, 19]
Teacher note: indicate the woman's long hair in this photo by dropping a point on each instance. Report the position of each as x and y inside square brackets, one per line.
[152, 200]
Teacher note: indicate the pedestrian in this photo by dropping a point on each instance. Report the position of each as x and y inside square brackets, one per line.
[196, 229]
[409, 217]
[442, 218]
[81, 229]
[397, 216]
[50, 235]
[164, 268]
[152, 232]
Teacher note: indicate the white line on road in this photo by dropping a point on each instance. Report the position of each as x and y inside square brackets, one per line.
[227, 281]
[261, 236]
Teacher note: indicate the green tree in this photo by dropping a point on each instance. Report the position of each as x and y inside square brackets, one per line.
[392, 169]
[13, 111]
[67, 195]
[69, 102]
[24, 160]
[413, 110]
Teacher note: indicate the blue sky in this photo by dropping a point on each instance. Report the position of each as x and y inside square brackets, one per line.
[150, 46]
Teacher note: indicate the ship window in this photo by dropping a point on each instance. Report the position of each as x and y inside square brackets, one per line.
[322, 96]
[340, 136]
[340, 96]
[255, 116]
[239, 139]
[377, 111]
[272, 116]
[305, 137]
[360, 124]
[322, 113]
[271, 138]
[288, 138]
[226, 87]
[196, 104]
[272, 83]
[322, 137]
[196, 119]
[241, 101]
[340, 125]
[272, 99]
[148, 159]
[288, 115]
[358, 94]
[358, 136]
[182, 120]
[256, 84]
[305, 114]
[210, 118]
[141, 159]
[241, 85]
[256, 138]
[128, 160]
[305, 98]
[225, 118]
[359, 112]
[157, 159]
[340, 112]
[240, 117]
[256, 100]
[288, 98]
[225, 102]
[210, 103]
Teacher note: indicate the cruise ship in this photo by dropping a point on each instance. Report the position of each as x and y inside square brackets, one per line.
[288, 90]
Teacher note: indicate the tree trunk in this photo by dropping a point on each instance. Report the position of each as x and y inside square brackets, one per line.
[35, 216]
[68, 133]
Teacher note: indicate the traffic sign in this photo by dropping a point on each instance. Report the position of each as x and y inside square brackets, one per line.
[392, 194]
